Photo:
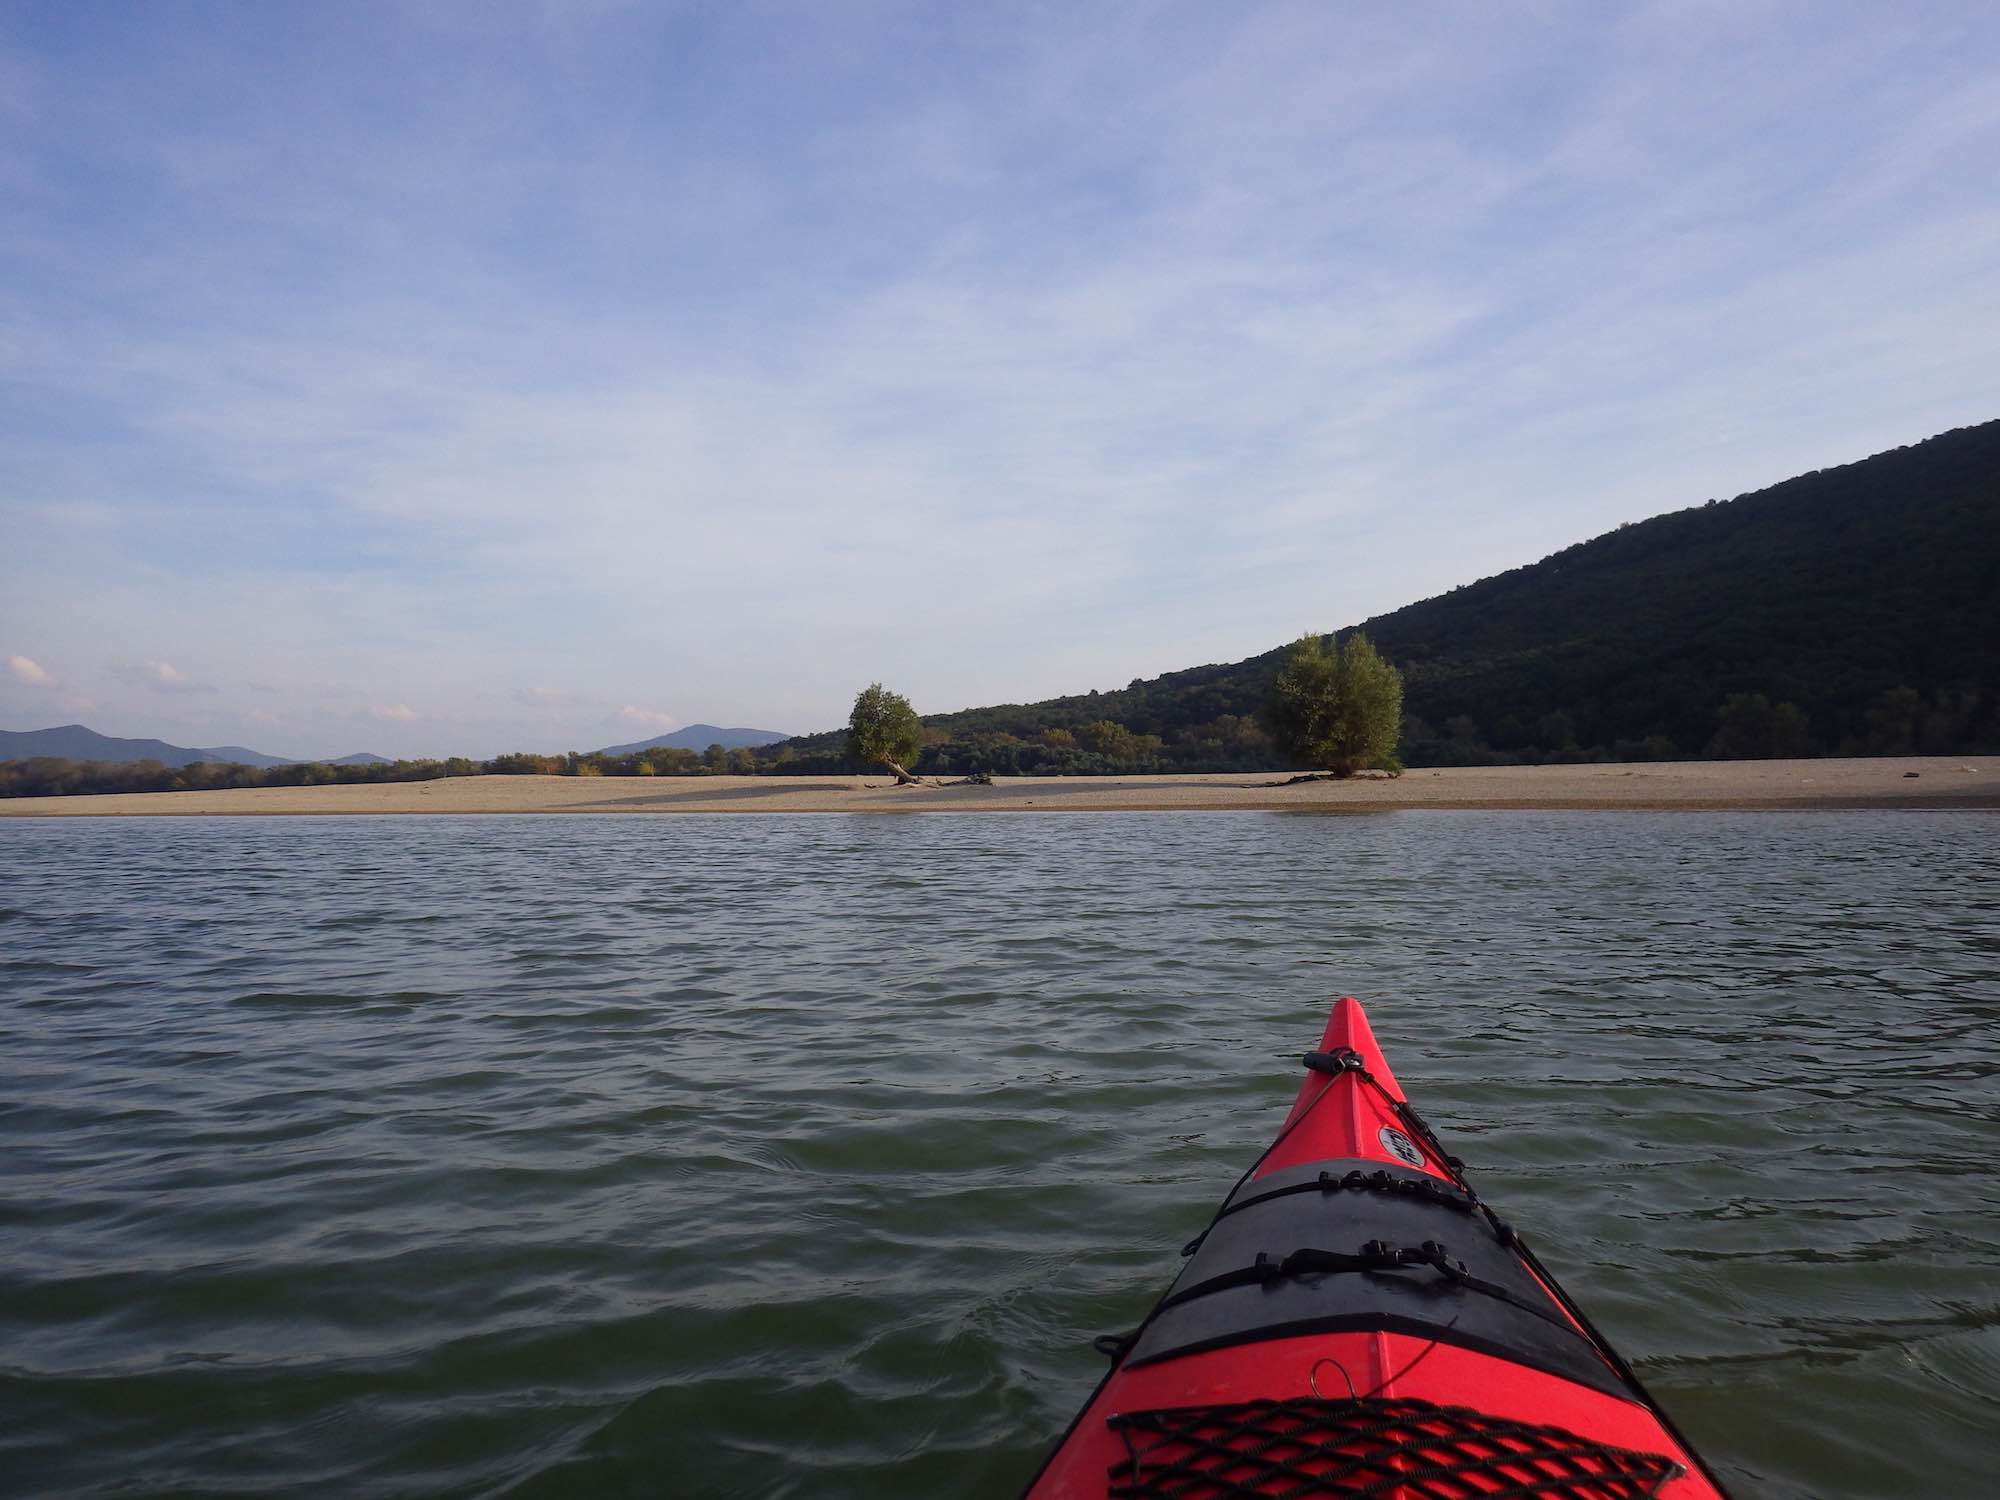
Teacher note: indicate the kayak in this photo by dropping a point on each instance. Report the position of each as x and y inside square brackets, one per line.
[1356, 1320]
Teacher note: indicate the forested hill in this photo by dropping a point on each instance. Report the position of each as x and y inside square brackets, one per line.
[1853, 610]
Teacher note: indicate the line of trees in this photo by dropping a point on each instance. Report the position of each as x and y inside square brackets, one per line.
[1335, 707]
[1738, 726]
[1142, 730]
[54, 776]
[1287, 734]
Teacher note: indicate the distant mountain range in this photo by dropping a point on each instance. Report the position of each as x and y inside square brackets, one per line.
[75, 742]
[700, 737]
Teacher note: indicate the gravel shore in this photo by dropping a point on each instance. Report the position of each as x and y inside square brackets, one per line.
[1936, 783]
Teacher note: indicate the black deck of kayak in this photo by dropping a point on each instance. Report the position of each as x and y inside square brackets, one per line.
[1388, 1250]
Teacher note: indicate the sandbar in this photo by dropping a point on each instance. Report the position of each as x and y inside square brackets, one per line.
[1938, 782]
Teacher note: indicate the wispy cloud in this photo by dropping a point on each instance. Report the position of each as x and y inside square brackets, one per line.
[1102, 347]
[33, 673]
[399, 713]
[161, 677]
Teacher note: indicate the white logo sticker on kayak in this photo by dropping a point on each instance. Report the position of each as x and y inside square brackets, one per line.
[1401, 1146]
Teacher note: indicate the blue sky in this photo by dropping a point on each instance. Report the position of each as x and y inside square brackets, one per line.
[450, 378]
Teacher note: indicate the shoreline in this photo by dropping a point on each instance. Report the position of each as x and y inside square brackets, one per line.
[1940, 782]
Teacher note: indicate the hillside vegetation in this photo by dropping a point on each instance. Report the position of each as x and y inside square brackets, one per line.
[1848, 611]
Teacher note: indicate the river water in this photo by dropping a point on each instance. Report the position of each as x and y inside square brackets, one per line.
[767, 1156]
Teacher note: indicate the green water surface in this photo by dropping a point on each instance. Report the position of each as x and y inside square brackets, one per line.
[766, 1156]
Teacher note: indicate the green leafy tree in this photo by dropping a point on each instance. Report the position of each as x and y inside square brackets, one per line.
[670, 760]
[1108, 739]
[884, 730]
[1337, 705]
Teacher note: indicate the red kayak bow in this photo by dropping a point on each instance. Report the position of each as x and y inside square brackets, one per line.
[1356, 1321]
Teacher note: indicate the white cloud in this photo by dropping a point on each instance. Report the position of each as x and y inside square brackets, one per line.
[645, 718]
[1128, 348]
[33, 673]
[401, 713]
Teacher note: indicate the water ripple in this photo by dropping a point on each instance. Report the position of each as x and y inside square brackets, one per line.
[801, 1157]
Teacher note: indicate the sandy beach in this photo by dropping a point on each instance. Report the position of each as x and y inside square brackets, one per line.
[1691, 785]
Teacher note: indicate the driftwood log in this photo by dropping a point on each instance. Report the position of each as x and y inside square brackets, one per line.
[904, 778]
[1368, 775]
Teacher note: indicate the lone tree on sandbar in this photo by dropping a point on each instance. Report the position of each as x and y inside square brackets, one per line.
[1337, 706]
[884, 730]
